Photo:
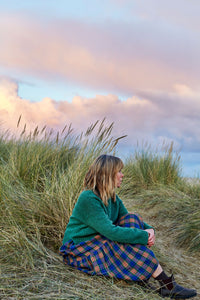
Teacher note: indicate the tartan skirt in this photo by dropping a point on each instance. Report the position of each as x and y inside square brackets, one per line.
[101, 256]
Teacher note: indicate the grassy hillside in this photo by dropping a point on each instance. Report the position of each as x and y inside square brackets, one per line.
[41, 176]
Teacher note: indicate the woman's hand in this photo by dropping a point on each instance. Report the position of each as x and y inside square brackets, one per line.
[151, 239]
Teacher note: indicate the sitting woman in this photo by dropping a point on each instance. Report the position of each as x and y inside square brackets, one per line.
[102, 238]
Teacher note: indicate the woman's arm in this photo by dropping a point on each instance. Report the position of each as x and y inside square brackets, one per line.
[92, 213]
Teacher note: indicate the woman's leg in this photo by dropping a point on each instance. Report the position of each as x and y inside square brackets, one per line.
[131, 220]
[169, 288]
[157, 272]
[147, 258]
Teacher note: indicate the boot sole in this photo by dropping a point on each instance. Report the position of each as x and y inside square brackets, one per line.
[178, 296]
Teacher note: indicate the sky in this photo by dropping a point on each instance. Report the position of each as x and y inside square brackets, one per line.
[135, 63]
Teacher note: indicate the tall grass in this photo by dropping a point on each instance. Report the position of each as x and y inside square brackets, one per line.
[156, 176]
[188, 227]
[41, 176]
[149, 166]
[176, 211]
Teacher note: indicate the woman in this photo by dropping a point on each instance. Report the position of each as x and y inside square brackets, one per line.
[102, 238]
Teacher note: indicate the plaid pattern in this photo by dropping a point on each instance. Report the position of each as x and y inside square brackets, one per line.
[101, 256]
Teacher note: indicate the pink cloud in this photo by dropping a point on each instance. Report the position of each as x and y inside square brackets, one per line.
[12, 106]
[149, 118]
[112, 56]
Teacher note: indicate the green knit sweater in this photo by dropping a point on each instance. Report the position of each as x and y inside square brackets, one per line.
[91, 216]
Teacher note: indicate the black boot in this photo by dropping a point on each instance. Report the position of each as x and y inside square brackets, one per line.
[169, 288]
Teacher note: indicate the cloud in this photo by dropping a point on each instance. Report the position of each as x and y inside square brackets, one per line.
[114, 55]
[179, 13]
[154, 117]
[12, 106]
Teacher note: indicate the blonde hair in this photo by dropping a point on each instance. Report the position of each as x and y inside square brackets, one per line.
[101, 175]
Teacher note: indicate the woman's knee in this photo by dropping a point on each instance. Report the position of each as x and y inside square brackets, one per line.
[131, 220]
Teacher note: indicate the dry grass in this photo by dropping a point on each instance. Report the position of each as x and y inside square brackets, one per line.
[40, 179]
[49, 278]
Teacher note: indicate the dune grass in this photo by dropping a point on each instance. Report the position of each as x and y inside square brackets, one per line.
[149, 166]
[41, 176]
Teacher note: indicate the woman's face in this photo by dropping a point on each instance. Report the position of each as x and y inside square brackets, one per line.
[118, 179]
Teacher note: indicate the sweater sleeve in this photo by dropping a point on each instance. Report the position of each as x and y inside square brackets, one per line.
[92, 213]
